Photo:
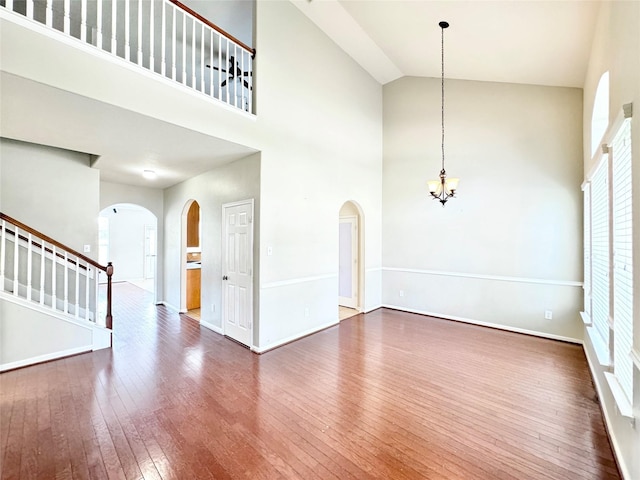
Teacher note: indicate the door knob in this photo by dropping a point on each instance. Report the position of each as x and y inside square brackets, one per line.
[225, 278]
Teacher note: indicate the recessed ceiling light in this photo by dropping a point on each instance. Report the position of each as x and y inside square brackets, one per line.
[149, 174]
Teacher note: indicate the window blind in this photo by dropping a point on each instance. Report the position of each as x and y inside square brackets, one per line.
[600, 252]
[587, 250]
[622, 259]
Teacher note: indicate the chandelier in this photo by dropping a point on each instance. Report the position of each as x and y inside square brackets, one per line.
[444, 188]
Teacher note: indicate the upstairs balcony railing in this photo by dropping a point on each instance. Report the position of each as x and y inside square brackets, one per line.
[163, 36]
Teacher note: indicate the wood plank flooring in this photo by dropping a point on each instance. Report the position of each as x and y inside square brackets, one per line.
[387, 395]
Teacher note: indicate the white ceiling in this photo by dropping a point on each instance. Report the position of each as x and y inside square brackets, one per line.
[517, 41]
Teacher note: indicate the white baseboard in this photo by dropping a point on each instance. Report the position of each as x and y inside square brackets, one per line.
[498, 326]
[371, 309]
[45, 358]
[170, 307]
[293, 338]
[212, 327]
[607, 419]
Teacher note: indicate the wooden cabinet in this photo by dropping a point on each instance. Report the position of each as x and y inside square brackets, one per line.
[193, 288]
[193, 225]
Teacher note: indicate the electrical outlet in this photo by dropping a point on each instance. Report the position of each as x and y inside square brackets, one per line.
[269, 250]
[213, 307]
[402, 293]
[548, 315]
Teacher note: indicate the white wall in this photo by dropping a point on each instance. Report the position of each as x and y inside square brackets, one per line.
[52, 190]
[28, 336]
[509, 247]
[616, 48]
[236, 181]
[322, 145]
[127, 239]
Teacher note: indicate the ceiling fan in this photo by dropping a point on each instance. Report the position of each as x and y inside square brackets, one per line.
[235, 73]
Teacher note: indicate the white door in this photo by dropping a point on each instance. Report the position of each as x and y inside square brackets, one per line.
[150, 251]
[348, 262]
[237, 271]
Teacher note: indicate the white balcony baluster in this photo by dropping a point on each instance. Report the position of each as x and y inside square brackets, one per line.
[184, 48]
[83, 20]
[152, 61]
[114, 26]
[127, 29]
[140, 32]
[173, 46]
[99, 24]
[193, 54]
[67, 16]
[49, 14]
[202, 67]
[163, 53]
[30, 9]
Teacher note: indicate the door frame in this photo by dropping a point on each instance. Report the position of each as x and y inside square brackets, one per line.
[354, 301]
[223, 309]
[183, 253]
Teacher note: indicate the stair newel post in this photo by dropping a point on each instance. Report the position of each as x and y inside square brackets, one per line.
[109, 318]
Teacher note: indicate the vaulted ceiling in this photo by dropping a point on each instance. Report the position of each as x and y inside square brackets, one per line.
[519, 41]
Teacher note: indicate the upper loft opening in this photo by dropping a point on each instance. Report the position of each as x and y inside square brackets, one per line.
[187, 42]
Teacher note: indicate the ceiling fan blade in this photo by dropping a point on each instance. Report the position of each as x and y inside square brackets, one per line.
[246, 85]
[247, 74]
[223, 84]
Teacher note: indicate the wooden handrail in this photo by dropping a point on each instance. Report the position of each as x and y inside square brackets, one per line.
[50, 240]
[195, 14]
[108, 269]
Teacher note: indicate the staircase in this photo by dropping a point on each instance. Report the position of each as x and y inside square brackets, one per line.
[50, 298]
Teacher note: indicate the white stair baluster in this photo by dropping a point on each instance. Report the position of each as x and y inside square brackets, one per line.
[43, 252]
[152, 24]
[127, 29]
[77, 312]
[140, 32]
[16, 250]
[67, 18]
[49, 15]
[83, 20]
[96, 286]
[3, 252]
[87, 289]
[54, 287]
[163, 60]
[66, 282]
[114, 26]
[29, 265]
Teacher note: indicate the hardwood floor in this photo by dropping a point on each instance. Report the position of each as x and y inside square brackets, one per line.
[387, 395]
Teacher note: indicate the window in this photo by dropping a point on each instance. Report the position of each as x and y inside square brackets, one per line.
[600, 259]
[622, 266]
[608, 245]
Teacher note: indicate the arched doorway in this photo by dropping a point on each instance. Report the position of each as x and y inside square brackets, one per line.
[191, 260]
[350, 260]
[128, 237]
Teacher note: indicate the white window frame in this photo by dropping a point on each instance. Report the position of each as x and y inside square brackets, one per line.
[616, 352]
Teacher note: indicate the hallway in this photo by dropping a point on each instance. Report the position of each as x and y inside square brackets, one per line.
[383, 395]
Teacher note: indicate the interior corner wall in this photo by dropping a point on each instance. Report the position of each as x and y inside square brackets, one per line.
[321, 144]
[52, 190]
[233, 182]
[616, 49]
[509, 246]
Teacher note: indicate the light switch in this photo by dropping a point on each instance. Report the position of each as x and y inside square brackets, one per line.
[269, 250]
[87, 249]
